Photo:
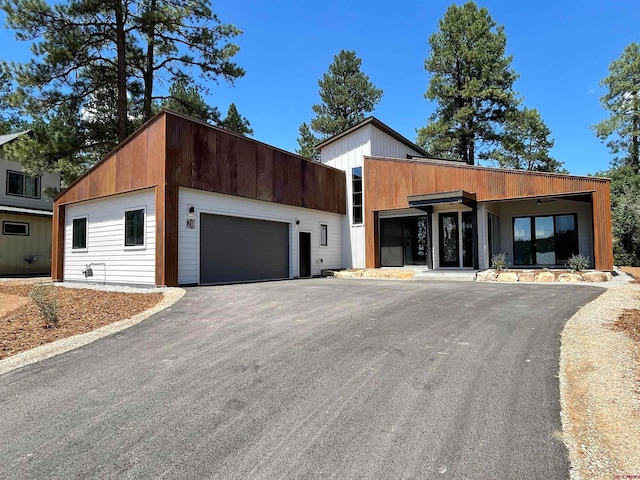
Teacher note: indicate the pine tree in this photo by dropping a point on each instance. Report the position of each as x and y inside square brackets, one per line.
[471, 83]
[525, 144]
[185, 98]
[307, 142]
[622, 128]
[236, 122]
[346, 94]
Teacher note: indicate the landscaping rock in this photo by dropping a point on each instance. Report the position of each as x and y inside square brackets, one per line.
[507, 277]
[597, 276]
[486, 276]
[570, 278]
[527, 277]
[344, 274]
[545, 277]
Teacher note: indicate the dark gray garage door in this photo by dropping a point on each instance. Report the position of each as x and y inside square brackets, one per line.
[236, 249]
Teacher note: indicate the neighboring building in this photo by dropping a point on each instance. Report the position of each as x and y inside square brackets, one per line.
[183, 202]
[25, 216]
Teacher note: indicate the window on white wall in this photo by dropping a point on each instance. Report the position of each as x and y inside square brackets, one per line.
[357, 195]
[134, 228]
[22, 185]
[324, 240]
[79, 233]
[15, 228]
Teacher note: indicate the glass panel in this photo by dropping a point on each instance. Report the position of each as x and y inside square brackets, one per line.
[494, 235]
[449, 239]
[323, 235]
[15, 185]
[79, 233]
[467, 239]
[11, 228]
[134, 228]
[31, 186]
[566, 238]
[391, 250]
[545, 241]
[415, 237]
[357, 194]
[522, 241]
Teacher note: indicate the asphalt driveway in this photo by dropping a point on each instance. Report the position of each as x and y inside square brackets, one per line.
[321, 378]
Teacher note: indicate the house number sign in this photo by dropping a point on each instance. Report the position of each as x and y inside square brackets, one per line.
[191, 223]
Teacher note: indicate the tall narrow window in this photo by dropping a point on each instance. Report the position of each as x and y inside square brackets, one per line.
[134, 228]
[79, 240]
[323, 235]
[357, 195]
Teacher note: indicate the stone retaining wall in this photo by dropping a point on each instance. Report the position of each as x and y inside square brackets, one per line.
[544, 276]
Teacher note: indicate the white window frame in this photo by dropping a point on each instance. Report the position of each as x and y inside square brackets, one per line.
[144, 228]
[326, 230]
[86, 234]
[9, 222]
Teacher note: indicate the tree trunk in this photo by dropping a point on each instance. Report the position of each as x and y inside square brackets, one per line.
[121, 46]
[148, 74]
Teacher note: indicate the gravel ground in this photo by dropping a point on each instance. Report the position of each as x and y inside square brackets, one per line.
[599, 387]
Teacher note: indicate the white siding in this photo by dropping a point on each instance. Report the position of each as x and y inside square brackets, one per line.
[48, 180]
[105, 240]
[347, 153]
[524, 208]
[215, 203]
[383, 145]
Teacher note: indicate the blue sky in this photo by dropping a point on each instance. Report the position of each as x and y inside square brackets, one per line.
[561, 49]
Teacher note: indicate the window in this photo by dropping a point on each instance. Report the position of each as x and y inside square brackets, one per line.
[79, 234]
[323, 235]
[22, 185]
[357, 195]
[134, 228]
[544, 240]
[15, 228]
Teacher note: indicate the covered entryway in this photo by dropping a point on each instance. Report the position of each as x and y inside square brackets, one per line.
[238, 249]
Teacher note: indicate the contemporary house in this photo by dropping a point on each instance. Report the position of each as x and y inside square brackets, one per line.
[183, 202]
[25, 216]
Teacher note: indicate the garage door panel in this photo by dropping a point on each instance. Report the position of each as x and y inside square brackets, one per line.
[237, 249]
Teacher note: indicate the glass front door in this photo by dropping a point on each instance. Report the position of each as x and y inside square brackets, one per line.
[449, 244]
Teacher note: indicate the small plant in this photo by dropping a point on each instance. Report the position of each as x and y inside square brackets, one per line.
[578, 263]
[44, 296]
[499, 262]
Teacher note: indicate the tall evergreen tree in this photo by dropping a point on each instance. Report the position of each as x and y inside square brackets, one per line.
[471, 82]
[346, 94]
[105, 57]
[307, 142]
[184, 97]
[622, 128]
[236, 122]
[525, 143]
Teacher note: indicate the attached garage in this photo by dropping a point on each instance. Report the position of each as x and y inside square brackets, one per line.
[238, 249]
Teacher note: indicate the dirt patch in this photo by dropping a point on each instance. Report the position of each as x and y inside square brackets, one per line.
[599, 386]
[629, 323]
[9, 303]
[79, 311]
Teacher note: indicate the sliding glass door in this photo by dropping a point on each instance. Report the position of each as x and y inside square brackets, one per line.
[544, 240]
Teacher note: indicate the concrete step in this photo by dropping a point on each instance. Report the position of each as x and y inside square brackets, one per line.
[445, 275]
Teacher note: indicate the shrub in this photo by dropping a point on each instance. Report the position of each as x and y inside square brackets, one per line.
[578, 263]
[44, 296]
[499, 262]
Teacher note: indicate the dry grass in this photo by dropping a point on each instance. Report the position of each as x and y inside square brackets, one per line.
[79, 311]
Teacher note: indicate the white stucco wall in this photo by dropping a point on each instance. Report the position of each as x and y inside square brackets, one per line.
[322, 257]
[105, 240]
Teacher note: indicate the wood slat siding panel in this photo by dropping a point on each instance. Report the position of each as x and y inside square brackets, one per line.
[388, 182]
[57, 245]
[264, 174]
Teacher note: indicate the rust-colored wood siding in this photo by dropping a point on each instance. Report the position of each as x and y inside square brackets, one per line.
[206, 158]
[171, 151]
[135, 164]
[388, 182]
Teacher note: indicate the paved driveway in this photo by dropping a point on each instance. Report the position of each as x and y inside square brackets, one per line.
[321, 378]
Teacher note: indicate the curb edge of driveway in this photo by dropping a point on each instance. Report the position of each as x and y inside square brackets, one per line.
[42, 352]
